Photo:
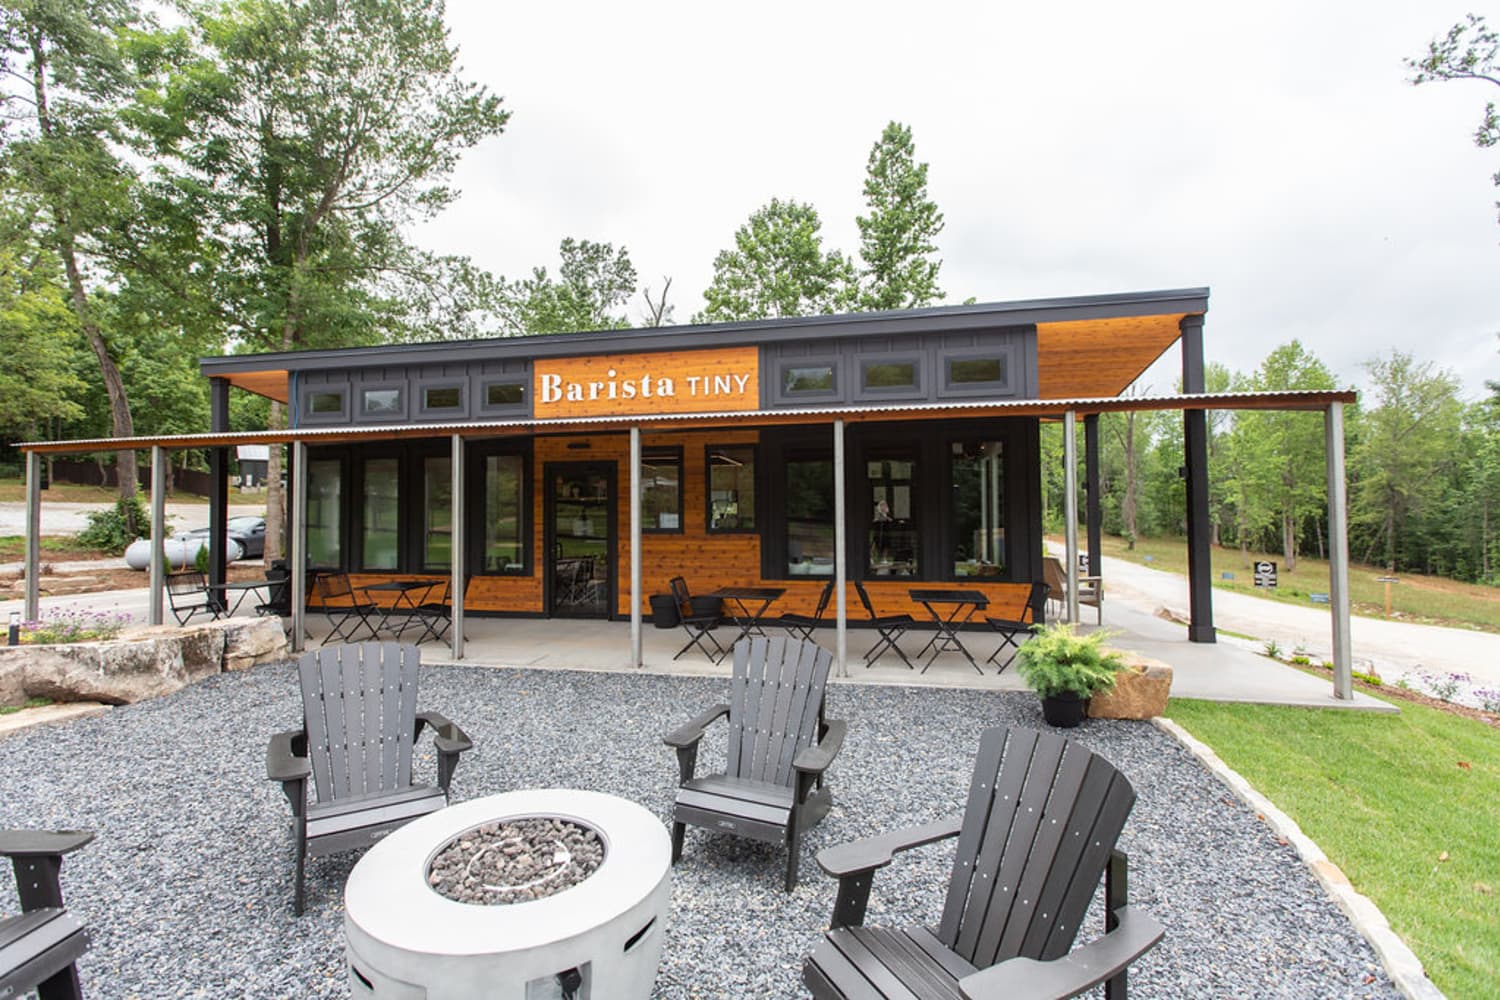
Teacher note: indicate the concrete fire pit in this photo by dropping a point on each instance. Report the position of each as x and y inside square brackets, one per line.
[601, 936]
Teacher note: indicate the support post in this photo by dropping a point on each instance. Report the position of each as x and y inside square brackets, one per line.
[457, 548]
[297, 563]
[1195, 461]
[218, 494]
[158, 532]
[636, 660]
[1338, 552]
[840, 567]
[1091, 514]
[33, 535]
[1070, 511]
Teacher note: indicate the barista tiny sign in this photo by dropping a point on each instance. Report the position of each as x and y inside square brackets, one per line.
[715, 381]
[1265, 573]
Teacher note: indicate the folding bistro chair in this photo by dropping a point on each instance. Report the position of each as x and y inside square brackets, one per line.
[187, 594]
[344, 609]
[434, 617]
[698, 623]
[890, 627]
[1013, 630]
[802, 626]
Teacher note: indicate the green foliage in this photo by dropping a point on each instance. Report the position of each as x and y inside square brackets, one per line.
[200, 559]
[59, 625]
[594, 280]
[1272, 649]
[896, 237]
[778, 269]
[1057, 660]
[114, 528]
[1469, 51]
[38, 338]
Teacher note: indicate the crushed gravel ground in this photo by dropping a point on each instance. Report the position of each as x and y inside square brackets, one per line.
[188, 886]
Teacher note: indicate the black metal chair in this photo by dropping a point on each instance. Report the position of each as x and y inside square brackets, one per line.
[803, 626]
[698, 617]
[1014, 630]
[1039, 829]
[434, 617]
[346, 612]
[890, 628]
[360, 721]
[40, 948]
[188, 596]
[771, 788]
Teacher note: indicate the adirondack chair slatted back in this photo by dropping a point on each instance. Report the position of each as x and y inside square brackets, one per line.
[775, 704]
[360, 704]
[1036, 836]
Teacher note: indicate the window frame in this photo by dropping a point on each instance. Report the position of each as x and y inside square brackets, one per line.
[781, 395]
[474, 499]
[1006, 354]
[360, 462]
[385, 417]
[916, 390]
[756, 490]
[666, 454]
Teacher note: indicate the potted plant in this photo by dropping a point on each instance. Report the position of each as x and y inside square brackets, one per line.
[1065, 669]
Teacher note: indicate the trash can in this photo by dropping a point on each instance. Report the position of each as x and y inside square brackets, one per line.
[664, 611]
[705, 606]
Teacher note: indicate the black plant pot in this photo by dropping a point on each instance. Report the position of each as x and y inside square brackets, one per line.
[1064, 710]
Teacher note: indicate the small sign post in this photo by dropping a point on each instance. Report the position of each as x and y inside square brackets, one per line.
[1265, 574]
[1387, 580]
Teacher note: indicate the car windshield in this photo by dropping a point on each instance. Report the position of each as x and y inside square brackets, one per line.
[244, 524]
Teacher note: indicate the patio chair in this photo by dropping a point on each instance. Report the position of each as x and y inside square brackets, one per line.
[40, 947]
[360, 721]
[771, 788]
[1014, 630]
[346, 612]
[434, 617]
[890, 628]
[1039, 829]
[188, 596]
[1090, 588]
[698, 617]
[802, 626]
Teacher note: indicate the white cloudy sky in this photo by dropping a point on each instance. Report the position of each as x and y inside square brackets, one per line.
[1273, 152]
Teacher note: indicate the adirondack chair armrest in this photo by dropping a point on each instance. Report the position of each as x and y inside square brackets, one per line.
[691, 733]
[446, 735]
[1076, 972]
[42, 843]
[286, 757]
[854, 864]
[815, 759]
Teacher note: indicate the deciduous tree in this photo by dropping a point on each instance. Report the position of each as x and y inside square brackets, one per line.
[896, 237]
[1469, 51]
[594, 282]
[778, 268]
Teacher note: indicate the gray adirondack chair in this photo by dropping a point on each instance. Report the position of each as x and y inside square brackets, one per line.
[771, 788]
[360, 721]
[39, 948]
[1039, 828]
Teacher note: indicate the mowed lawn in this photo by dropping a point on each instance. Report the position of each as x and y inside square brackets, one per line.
[1431, 599]
[1407, 805]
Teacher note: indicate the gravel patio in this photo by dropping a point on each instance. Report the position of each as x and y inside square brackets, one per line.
[187, 888]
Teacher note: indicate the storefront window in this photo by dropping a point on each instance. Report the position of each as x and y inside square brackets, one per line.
[325, 494]
[661, 489]
[381, 522]
[437, 513]
[978, 508]
[504, 515]
[893, 525]
[809, 517]
[731, 487]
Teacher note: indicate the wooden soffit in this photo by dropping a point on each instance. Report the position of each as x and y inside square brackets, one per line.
[271, 384]
[1091, 358]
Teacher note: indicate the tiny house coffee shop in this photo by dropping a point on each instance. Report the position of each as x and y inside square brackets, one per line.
[573, 476]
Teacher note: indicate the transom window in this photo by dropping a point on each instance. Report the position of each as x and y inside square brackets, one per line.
[327, 401]
[381, 401]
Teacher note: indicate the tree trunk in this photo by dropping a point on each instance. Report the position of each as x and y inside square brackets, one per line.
[1289, 540]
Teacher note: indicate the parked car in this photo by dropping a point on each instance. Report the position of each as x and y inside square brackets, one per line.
[250, 532]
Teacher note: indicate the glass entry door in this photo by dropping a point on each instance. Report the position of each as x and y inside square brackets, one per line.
[580, 539]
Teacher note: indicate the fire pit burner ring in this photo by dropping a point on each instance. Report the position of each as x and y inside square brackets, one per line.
[515, 861]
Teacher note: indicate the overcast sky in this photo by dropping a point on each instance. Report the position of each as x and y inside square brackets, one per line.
[1272, 152]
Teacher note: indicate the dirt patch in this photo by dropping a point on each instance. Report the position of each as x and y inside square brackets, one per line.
[110, 576]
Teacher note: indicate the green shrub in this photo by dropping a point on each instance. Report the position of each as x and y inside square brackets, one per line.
[1372, 679]
[1057, 660]
[200, 560]
[116, 527]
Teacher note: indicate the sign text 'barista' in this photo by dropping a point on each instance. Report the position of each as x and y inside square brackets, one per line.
[554, 389]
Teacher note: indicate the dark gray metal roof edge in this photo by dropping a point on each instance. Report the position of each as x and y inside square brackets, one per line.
[641, 339]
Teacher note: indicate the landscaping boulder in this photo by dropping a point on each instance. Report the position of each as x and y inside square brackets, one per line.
[1140, 691]
[249, 642]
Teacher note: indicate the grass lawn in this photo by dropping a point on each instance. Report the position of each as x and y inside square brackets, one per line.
[1407, 805]
[54, 548]
[14, 489]
[1430, 599]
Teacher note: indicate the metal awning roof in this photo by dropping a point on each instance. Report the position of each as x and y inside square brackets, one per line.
[1045, 408]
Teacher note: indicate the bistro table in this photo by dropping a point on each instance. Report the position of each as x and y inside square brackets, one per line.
[401, 605]
[946, 636]
[244, 588]
[738, 602]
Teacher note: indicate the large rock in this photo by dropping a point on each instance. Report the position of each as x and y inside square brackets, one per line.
[249, 642]
[1140, 691]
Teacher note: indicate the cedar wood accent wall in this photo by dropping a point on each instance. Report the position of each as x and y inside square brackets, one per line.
[706, 561]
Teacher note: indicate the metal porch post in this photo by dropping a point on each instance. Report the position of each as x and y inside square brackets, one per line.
[456, 546]
[1195, 458]
[298, 561]
[840, 575]
[1338, 552]
[1091, 513]
[218, 495]
[1070, 510]
[158, 532]
[33, 535]
[635, 547]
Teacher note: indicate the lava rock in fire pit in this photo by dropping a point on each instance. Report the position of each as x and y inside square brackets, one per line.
[516, 861]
